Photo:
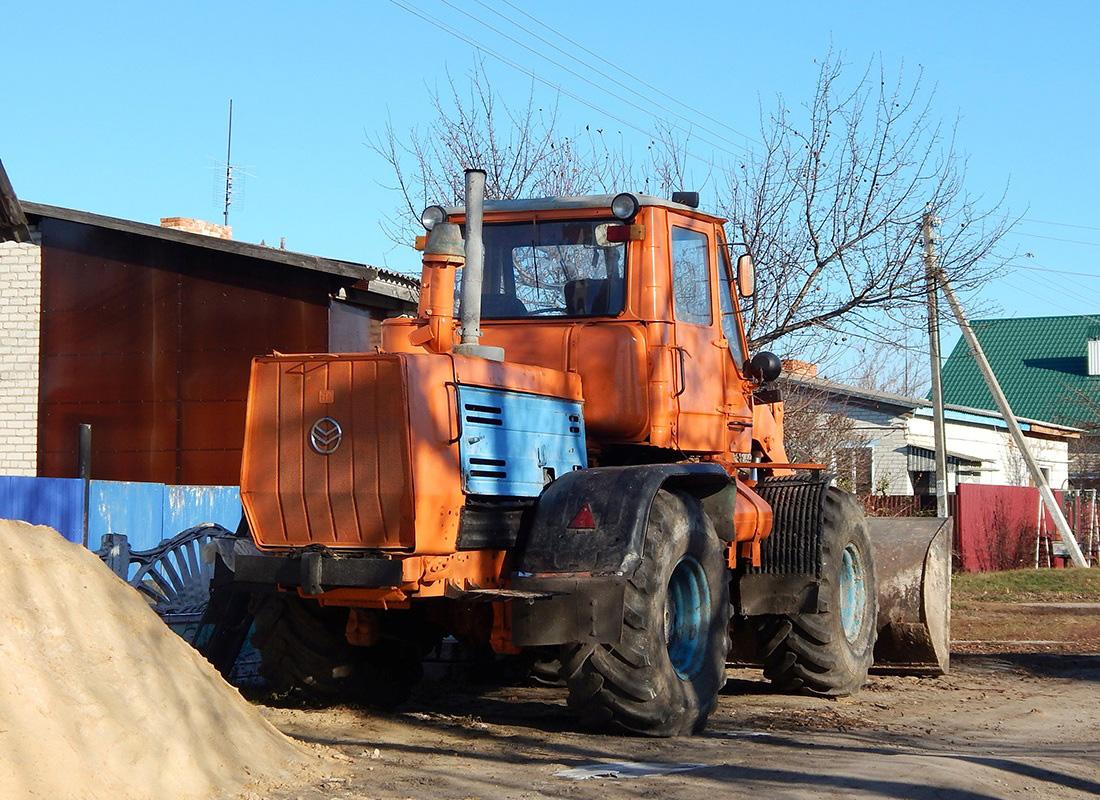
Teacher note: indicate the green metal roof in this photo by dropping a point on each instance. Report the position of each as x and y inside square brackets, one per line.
[1041, 364]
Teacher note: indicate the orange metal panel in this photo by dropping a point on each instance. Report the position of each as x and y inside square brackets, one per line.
[435, 485]
[612, 362]
[436, 472]
[518, 377]
[662, 394]
[394, 482]
[356, 496]
[608, 355]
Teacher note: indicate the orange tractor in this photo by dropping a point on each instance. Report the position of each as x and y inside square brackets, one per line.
[586, 462]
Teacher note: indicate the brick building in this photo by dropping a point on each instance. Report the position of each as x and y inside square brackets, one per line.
[20, 270]
[146, 333]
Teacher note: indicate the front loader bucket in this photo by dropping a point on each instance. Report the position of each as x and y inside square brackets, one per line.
[913, 565]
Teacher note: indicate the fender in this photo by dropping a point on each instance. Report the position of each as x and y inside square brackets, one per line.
[582, 570]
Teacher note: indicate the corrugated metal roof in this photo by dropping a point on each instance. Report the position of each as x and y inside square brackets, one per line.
[1041, 364]
[394, 284]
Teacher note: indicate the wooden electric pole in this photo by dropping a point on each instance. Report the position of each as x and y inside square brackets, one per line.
[928, 232]
[999, 398]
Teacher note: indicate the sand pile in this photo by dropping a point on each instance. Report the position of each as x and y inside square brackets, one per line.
[98, 699]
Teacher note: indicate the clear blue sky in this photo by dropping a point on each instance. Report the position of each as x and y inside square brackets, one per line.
[120, 108]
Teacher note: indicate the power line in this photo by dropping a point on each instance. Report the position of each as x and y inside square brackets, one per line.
[535, 76]
[615, 66]
[1041, 268]
[590, 82]
[1045, 278]
[1077, 293]
[1061, 224]
[1030, 291]
[1054, 238]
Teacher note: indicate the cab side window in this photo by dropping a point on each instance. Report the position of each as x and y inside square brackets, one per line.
[690, 276]
[726, 292]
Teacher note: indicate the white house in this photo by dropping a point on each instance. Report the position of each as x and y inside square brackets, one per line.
[888, 444]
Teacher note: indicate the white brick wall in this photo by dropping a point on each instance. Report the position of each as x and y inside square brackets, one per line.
[20, 296]
[889, 431]
[884, 432]
[1001, 463]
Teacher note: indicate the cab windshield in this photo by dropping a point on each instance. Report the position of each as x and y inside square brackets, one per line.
[552, 269]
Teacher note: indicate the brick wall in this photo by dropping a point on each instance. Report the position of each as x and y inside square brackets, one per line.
[20, 296]
[198, 226]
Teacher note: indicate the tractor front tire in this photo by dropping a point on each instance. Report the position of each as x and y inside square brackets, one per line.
[663, 677]
[829, 653]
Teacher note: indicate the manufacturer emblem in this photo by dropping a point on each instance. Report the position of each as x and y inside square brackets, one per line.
[325, 436]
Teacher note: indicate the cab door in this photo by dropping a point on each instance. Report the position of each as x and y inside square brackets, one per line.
[737, 408]
[700, 348]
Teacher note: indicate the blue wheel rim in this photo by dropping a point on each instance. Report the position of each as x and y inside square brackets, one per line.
[687, 616]
[853, 593]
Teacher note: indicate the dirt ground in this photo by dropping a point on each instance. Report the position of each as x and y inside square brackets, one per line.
[1019, 716]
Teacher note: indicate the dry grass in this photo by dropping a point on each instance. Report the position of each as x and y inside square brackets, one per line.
[1027, 586]
[1005, 611]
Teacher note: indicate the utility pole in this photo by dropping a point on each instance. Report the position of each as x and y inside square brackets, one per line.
[928, 232]
[1037, 477]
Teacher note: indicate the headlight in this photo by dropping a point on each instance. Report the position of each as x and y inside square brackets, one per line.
[432, 216]
[625, 206]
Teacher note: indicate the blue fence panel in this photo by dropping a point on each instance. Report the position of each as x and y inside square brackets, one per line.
[57, 502]
[188, 506]
[147, 513]
[135, 509]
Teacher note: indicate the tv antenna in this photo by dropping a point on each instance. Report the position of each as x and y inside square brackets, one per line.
[229, 164]
[234, 175]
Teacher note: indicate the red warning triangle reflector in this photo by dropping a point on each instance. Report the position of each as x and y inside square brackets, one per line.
[584, 519]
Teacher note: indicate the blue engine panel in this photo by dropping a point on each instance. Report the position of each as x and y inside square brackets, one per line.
[512, 443]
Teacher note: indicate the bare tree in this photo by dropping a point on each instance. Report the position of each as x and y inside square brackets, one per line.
[831, 210]
[1015, 467]
[815, 425]
[830, 207]
[1082, 409]
[897, 367]
[524, 150]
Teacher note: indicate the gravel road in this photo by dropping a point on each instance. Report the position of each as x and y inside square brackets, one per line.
[1001, 725]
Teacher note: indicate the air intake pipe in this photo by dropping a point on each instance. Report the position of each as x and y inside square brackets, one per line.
[473, 273]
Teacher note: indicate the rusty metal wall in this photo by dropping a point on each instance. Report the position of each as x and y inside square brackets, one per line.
[996, 526]
[150, 341]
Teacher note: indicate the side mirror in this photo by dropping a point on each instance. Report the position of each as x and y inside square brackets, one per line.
[765, 367]
[746, 275]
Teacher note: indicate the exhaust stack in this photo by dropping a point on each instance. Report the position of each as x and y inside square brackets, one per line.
[474, 272]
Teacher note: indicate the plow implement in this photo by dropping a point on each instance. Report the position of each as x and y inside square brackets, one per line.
[913, 564]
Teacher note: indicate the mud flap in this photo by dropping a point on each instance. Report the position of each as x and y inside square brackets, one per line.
[913, 560]
[581, 609]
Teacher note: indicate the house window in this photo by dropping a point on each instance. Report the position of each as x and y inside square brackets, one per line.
[855, 469]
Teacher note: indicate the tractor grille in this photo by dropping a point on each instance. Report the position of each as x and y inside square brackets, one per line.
[794, 546]
[327, 453]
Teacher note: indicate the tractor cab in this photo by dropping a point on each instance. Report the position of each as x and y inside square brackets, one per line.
[638, 296]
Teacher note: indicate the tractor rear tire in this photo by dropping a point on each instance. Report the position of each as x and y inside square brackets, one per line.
[302, 646]
[829, 653]
[304, 651]
[663, 677]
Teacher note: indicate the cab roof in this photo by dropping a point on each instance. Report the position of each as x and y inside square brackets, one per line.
[565, 203]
